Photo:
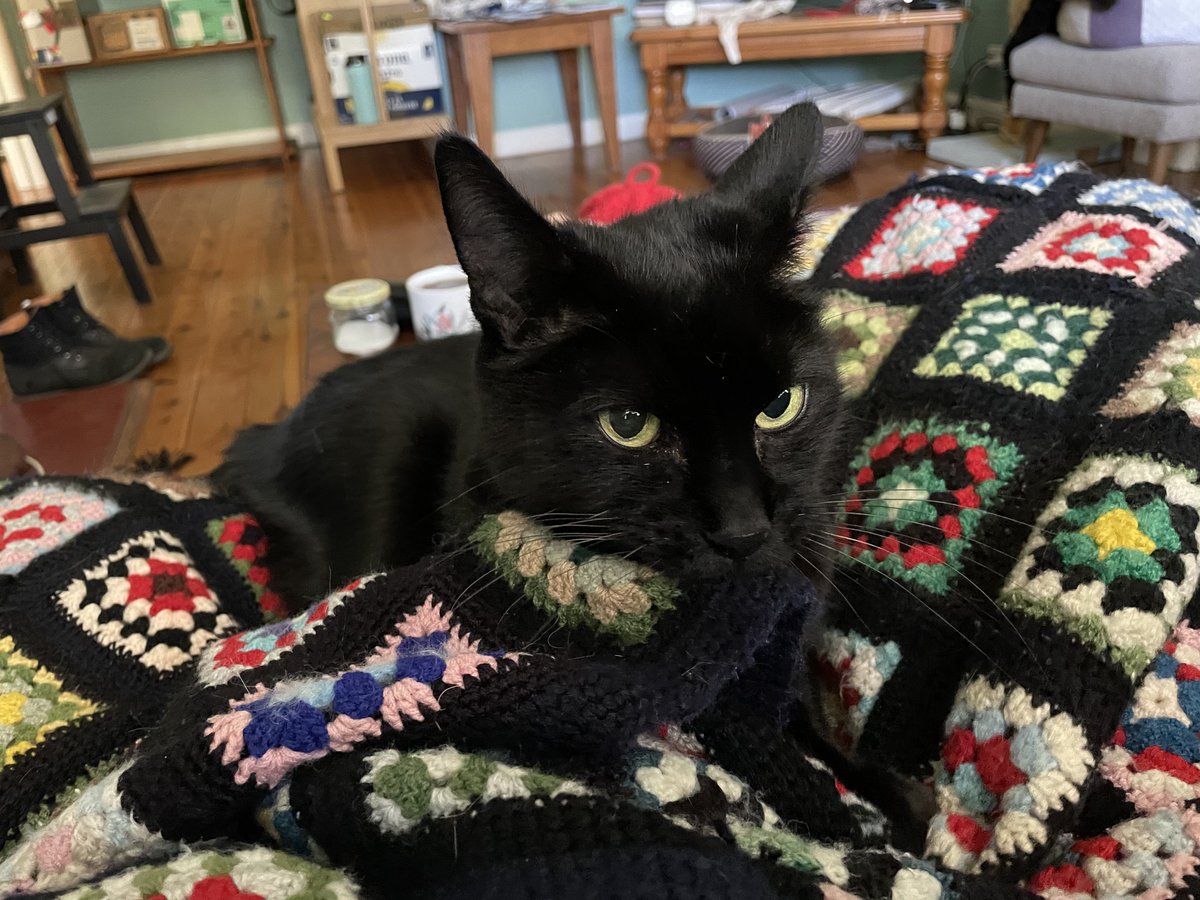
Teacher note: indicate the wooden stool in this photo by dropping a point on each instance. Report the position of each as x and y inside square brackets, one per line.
[471, 47]
[98, 207]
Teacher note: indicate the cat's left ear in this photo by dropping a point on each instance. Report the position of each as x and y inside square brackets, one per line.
[775, 172]
[766, 189]
[514, 260]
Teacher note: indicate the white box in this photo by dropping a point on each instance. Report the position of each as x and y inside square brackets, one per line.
[408, 66]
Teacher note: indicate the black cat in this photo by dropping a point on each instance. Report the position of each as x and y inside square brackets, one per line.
[660, 387]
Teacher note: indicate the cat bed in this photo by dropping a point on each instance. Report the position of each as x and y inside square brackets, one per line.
[1010, 622]
[718, 144]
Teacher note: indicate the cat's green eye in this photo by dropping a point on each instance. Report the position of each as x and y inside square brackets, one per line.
[783, 410]
[629, 427]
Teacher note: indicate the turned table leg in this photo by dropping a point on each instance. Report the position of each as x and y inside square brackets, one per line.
[939, 44]
[656, 101]
[676, 104]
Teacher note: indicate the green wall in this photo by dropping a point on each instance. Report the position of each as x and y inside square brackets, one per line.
[154, 101]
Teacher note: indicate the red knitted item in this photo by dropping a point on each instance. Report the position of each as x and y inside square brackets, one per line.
[628, 197]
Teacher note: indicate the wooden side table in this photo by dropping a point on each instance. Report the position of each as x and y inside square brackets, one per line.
[471, 47]
[666, 51]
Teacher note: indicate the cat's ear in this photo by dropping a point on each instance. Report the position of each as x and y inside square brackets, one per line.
[513, 258]
[774, 173]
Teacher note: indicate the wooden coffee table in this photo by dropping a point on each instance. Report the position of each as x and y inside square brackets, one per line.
[666, 52]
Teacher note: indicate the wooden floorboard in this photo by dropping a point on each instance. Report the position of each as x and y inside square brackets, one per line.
[249, 250]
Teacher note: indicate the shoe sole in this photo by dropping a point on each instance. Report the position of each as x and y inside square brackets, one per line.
[147, 362]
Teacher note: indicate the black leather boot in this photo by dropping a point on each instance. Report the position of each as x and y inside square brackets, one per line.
[38, 359]
[68, 316]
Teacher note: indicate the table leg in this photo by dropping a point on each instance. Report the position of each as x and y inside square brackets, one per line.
[676, 104]
[55, 82]
[939, 44]
[64, 197]
[476, 52]
[605, 76]
[458, 82]
[74, 148]
[1160, 161]
[1035, 137]
[568, 68]
[1128, 145]
[333, 166]
[656, 101]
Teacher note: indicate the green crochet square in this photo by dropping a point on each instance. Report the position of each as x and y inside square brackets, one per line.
[1009, 340]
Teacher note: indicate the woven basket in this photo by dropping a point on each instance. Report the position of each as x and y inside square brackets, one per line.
[717, 145]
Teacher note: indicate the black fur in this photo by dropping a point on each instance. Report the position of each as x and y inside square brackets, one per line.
[684, 311]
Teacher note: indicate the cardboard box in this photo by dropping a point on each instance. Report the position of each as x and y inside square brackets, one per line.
[54, 32]
[195, 22]
[407, 62]
[409, 68]
[128, 33]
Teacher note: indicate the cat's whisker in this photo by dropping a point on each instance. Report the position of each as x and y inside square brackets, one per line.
[856, 521]
[883, 534]
[828, 315]
[476, 486]
[817, 569]
[582, 517]
[932, 609]
[853, 526]
[994, 604]
[984, 594]
[467, 598]
[943, 503]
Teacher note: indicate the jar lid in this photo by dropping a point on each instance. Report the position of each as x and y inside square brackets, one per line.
[358, 294]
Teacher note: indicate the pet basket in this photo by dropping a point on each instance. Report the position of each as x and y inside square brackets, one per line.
[717, 145]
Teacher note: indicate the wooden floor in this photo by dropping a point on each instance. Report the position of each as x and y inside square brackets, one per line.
[249, 251]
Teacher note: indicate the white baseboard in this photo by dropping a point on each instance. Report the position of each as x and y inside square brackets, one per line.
[509, 142]
[545, 138]
[302, 133]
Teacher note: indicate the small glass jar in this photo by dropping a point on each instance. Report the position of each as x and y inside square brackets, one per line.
[362, 317]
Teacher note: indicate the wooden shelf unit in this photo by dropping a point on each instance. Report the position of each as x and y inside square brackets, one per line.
[153, 55]
[52, 79]
[335, 135]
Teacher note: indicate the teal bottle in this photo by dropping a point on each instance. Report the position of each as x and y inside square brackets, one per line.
[362, 91]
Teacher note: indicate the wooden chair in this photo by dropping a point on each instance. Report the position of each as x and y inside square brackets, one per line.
[97, 207]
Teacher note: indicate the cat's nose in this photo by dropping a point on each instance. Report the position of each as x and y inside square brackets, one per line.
[737, 546]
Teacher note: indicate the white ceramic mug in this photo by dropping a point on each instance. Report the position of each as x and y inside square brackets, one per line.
[440, 302]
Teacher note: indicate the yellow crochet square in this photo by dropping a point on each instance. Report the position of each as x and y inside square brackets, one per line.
[32, 702]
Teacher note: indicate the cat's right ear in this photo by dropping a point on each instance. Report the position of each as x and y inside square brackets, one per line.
[513, 258]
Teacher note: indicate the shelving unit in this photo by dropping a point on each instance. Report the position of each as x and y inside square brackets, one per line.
[335, 135]
[52, 79]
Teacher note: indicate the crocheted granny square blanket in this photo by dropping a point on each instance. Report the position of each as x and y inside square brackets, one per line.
[1009, 630]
